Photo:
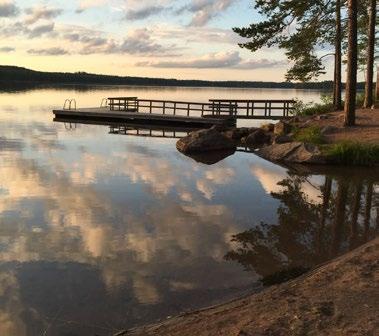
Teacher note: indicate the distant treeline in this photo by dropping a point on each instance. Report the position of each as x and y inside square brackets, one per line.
[17, 74]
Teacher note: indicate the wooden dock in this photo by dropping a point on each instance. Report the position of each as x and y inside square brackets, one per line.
[164, 112]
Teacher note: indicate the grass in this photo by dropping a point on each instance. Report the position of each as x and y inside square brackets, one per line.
[310, 134]
[354, 153]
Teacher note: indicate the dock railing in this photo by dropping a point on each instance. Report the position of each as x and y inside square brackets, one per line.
[257, 108]
[165, 107]
[236, 109]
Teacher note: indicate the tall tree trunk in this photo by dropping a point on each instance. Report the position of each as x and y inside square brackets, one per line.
[337, 95]
[369, 87]
[352, 63]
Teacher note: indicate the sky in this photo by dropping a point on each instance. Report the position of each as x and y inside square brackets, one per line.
[184, 39]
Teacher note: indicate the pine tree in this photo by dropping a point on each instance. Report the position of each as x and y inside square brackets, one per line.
[337, 91]
[352, 63]
[299, 27]
[371, 38]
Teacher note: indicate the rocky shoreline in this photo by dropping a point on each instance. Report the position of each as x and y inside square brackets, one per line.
[302, 139]
[274, 142]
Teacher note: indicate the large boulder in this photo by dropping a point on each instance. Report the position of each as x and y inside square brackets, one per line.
[296, 152]
[268, 127]
[281, 139]
[257, 138]
[203, 141]
[282, 128]
[238, 133]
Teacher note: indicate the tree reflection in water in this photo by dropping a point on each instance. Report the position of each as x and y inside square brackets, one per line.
[308, 232]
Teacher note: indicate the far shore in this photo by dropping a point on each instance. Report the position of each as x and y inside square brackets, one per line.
[13, 74]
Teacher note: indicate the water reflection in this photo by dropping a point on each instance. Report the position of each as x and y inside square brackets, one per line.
[310, 231]
[101, 232]
[154, 131]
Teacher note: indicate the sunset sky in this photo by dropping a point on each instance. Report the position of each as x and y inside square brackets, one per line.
[153, 38]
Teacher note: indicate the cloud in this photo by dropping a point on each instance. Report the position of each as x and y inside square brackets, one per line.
[139, 41]
[199, 35]
[7, 49]
[40, 30]
[8, 9]
[19, 28]
[88, 4]
[48, 52]
[205, 10]
[263, 63]
[144, 13]
[41, 12]
[215, 61]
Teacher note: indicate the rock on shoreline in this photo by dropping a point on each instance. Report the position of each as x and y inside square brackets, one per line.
[205, 140]
[296, 152]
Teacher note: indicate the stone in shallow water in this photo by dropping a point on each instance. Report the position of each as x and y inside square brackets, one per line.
[205, 140]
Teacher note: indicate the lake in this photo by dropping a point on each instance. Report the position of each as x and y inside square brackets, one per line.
[101, 231]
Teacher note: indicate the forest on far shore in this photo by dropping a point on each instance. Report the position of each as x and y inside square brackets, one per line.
[18, 74]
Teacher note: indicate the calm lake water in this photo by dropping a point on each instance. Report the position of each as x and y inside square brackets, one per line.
[100, 232]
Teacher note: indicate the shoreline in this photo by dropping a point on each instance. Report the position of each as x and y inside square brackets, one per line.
[339, 297]
[319, 139]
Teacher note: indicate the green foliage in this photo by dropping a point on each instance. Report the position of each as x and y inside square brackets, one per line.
[298, 26]
[360, 99]
[310, 109]
[310, 134]
[326, 98]
[306, 67]
[354, 153]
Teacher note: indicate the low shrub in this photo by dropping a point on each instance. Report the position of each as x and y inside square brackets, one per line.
[354, 153]
[326, 105]
[310, 134]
